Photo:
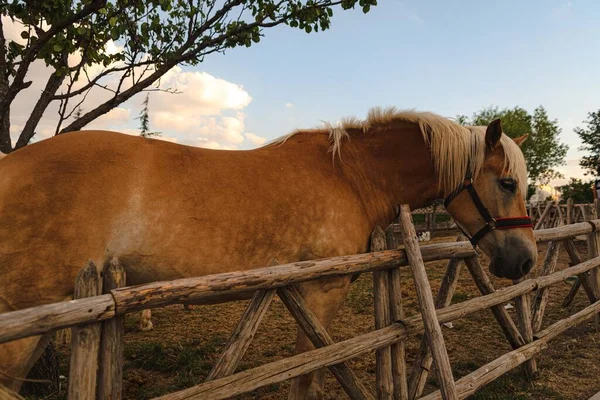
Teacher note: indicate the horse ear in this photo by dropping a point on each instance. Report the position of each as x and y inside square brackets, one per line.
[493, 133]
[519, 141]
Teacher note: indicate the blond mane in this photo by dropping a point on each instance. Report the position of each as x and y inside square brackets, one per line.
[454, 148]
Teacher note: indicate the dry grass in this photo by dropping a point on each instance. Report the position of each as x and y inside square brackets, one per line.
[184, 345]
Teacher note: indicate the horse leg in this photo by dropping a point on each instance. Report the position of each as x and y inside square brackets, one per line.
[324, 298]
[146, 320]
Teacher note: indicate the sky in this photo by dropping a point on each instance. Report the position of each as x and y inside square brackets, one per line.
[450, 58]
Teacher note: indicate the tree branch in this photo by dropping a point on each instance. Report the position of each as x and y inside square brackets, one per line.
[30, 56]
[186, 52]
[5, 142]
[52, 85]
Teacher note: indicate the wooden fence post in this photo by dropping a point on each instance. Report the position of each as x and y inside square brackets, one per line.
[541, 297]
[592, 246]
[570, 203]
[397, 314]
[502, 317]
[381, 293]
[110, 373]
[85, 340]
[242, 335]
[423, 361]
[523, 308]
[318, 335]
[542, 220]
[433, 331]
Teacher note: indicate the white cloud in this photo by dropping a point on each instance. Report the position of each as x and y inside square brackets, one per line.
[255, 139]
[206, 112]
[289, 105]
[200, 94]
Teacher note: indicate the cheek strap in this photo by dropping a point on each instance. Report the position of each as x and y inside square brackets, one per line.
[490, 223]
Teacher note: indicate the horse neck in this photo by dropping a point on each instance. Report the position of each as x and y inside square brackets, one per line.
[389, 166]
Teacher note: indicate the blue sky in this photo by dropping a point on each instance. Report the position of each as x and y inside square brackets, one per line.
[447, 57]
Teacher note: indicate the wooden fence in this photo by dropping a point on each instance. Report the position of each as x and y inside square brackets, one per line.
[96, 317]
[551, 213]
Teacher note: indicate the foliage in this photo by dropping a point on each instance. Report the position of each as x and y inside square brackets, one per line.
[578, 190]
[542, 149]
[156, 35]
[590, 136]
[144, 118]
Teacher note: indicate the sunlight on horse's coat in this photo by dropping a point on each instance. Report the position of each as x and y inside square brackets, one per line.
[169, 211]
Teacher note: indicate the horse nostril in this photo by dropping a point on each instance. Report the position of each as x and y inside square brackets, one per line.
[526, 267]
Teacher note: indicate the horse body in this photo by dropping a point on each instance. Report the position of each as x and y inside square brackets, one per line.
[169, 211]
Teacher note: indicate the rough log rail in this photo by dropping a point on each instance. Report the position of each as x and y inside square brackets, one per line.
[43, 319]
[87, 313]
[300, 364]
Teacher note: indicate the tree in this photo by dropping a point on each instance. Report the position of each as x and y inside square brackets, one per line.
[590, 136]
[144, 118]
[156, 35]
[579, 191]
[542, 149]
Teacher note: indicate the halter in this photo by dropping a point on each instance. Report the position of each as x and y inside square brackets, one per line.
[490, 223]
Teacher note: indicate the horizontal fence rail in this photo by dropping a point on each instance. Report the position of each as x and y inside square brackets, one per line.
[300, 364]
[43, 319]
[264, 283]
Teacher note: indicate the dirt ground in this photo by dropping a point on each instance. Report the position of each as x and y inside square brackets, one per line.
[183, 346]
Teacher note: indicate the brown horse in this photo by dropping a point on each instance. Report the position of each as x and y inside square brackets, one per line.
[169, 211]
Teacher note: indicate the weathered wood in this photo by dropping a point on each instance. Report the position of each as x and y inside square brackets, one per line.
[585, 280]
[523, 308]
[44, 319]
[592, 247]
[52, 317]
[110, 372]
[572, 293]
[560, 221]
[397, 314]
[304, 363]
[399, 348]
[570, 215]
[483, 283]
[242, 335]
[541, 297]
[576, 214]
[383, 357]
[422, 364]
[540, 222]
[85, 341]
[433, 330]
[213, 287]
[566, 231]
[319, 337]
[472, 382]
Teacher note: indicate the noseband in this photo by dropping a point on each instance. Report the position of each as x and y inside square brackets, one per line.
[490, 223]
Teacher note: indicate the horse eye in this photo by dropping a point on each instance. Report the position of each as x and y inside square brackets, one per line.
[509, 184]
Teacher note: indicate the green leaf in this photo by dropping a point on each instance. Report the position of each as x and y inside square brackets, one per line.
[57, 48]
[112, 21]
